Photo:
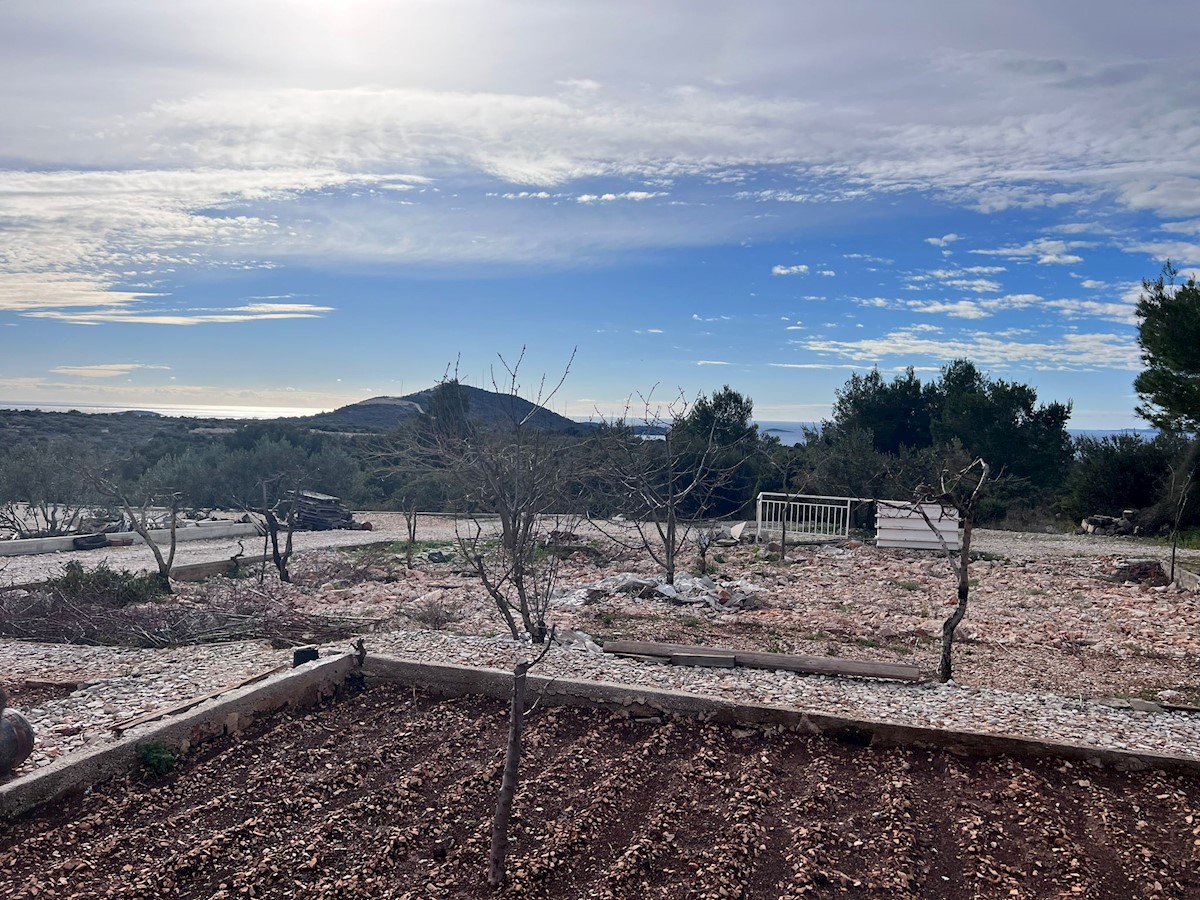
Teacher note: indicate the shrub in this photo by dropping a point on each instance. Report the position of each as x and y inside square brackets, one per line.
[436, 613]
[104, 586]
[156, 758]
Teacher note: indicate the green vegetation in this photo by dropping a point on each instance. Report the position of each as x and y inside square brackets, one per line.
[884, 438]
[104, 586]
[156, 758]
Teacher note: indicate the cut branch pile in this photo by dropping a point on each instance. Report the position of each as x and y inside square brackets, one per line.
[50, 617]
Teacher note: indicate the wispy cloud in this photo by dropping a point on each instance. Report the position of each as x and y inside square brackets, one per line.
[1071, 352]
[104, 370]
[254, 312]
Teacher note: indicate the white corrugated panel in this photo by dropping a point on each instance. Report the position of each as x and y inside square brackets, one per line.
[900, 524]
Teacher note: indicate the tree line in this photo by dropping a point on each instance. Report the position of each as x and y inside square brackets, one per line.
[696, 458]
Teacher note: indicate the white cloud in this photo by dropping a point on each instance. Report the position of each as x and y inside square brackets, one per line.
[1047, 251]
[104, 370]
[1070, 352]
[789, 270]
[811, 366]
[250, 313]
[1112, 312]
[962, 309]
[711, 362]
[944, 241]
[828, 273]
[624, 195]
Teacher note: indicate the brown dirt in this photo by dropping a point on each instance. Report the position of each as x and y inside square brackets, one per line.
[389, 794]
[32, 693]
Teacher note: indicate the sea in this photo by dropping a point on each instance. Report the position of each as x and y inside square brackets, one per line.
[788, 432]
[195, 412]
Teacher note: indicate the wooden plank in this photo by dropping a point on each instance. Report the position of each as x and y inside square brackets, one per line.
[809, 665]
[185, 705]
[712, 660]
[200, 571]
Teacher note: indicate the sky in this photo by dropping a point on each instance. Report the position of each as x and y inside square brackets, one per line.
[306, 204]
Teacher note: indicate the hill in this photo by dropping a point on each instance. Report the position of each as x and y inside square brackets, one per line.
[485, 407]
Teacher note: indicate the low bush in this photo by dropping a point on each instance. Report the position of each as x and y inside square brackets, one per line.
[105, 586]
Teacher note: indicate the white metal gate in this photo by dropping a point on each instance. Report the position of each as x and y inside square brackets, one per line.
[807, 517]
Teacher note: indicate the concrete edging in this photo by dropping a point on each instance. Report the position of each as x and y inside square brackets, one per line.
[453, 681]
[226, 714]
[162, 537]
[308, 684]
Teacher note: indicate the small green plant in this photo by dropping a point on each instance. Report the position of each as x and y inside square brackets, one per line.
[607, 618]
[105, 586]
[157, 758]
[719, 558]
[907, 585]
[989, 556]
[436, 613]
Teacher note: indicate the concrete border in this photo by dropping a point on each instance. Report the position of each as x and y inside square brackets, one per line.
[162, 537]
[308, 684]
[227, 714]
[1186, 578]
[453, 681]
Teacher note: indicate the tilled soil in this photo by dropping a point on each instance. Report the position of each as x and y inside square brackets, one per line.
[390, 794]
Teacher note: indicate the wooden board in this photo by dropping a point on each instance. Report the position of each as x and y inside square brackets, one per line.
[809, 665]
[185, 705]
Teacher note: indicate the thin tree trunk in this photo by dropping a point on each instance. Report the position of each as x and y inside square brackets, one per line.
[508, 784]
[945, 665]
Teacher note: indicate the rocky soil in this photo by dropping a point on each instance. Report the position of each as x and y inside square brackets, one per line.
[390, 794]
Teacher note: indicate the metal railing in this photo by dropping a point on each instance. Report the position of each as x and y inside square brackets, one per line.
[805, 516]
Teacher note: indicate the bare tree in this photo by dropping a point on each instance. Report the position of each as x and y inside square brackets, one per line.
[664, 481]
[139, 521]
[960, 492]
[1180, 489]
[280, 558]
[408, 506]
[513, 473]
[512, 762]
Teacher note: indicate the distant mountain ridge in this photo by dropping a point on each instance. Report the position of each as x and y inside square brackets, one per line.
[485, 407]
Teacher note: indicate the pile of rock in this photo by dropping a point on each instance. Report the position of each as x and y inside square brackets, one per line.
[1111, 526]
[702, 591]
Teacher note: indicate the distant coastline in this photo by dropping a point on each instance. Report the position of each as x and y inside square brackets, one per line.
[789, 432]
[190, 412]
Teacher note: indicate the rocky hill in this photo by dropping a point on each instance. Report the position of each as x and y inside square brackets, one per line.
[486, 407]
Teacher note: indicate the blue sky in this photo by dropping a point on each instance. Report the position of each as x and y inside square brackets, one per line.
[305, 204]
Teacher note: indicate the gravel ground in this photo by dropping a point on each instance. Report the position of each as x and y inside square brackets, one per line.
[118, 683]
[431, 528]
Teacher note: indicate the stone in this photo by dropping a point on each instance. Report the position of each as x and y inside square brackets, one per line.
[1137, 704]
